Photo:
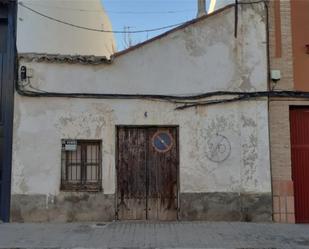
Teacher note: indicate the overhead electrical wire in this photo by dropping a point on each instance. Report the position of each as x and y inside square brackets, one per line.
[109, 11]
[99, 30]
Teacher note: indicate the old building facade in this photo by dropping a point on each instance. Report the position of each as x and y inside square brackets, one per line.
[139, 136]
[288, 117]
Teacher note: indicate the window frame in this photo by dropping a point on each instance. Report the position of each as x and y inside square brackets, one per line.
[67, 185]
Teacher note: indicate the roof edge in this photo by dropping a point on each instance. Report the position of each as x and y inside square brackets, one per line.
[97, 60]
[184, 25]
[59, 58]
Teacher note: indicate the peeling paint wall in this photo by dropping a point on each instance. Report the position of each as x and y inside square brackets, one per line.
[200, 58]
[37, 141]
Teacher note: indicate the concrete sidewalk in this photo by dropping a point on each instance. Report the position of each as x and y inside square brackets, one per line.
[154, 235]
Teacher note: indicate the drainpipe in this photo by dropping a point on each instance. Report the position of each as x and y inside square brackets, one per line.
[201, 9]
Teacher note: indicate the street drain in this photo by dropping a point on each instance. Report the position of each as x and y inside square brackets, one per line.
[100, 224]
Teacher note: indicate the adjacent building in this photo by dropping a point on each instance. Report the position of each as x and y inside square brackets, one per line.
[7, 78]
[53, 27]
[289, 60]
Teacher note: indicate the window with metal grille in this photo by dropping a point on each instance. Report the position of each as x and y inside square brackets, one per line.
[81, 165]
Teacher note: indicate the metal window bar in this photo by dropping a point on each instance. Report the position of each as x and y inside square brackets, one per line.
[81, 169]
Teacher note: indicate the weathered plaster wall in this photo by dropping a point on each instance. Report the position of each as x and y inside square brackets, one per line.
[200, 58]
[40, 128]
[41, 124]
[203, 57]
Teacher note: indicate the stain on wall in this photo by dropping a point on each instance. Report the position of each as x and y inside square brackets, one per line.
[65, 207]
[231, 206]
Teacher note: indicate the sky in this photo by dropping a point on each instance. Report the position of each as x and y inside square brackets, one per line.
[146, 14]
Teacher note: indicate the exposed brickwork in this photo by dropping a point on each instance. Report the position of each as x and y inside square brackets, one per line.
[283, 193]
[283, 196]
[285, 62]
[280, 142]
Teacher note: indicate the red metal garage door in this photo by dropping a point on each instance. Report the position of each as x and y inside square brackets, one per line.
[299, 123]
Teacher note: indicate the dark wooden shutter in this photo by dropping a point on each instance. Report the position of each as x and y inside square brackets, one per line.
[3, 47]
[162, 180]
[131, 173]
[7, 77]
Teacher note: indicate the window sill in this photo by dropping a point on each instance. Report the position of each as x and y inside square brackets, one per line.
[69, 187]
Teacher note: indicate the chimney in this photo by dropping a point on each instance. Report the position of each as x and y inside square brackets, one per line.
[201, 10]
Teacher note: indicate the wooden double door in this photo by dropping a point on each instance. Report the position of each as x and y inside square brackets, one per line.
[147, 173]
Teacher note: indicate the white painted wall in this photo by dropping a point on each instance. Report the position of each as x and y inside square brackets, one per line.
[200, 58]
[41, 35]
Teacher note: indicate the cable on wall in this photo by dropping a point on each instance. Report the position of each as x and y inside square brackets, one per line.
[183, 102]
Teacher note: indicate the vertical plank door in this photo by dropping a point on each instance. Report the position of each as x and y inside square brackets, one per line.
[147, 173]
[162, 163]
[299, 126]
[131, 174]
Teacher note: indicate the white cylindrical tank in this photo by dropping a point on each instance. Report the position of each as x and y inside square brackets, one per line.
[218, 4]
[38, 34]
